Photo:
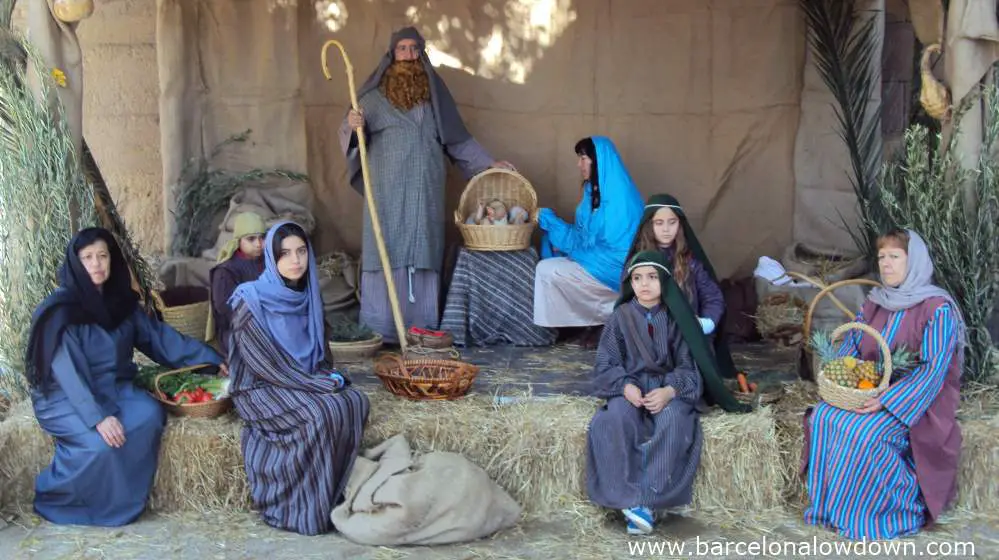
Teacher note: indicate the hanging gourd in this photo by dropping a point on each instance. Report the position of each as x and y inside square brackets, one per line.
[933, 95]
[71, 11]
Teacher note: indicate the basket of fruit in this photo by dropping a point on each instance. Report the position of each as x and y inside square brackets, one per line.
[847, 382]
[184, 392]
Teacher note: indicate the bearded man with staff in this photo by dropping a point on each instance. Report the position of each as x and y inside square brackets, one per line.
[410, 122]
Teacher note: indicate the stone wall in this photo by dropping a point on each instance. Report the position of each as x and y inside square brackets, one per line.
[121, 109]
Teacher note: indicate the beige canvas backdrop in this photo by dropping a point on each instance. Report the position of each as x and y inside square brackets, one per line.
[701, 97]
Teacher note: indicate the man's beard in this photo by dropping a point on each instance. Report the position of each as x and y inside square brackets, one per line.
[406, 84]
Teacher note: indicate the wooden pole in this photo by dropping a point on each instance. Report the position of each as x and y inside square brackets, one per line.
[369, 195]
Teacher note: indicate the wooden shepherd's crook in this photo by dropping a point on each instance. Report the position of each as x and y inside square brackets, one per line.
[368, 195]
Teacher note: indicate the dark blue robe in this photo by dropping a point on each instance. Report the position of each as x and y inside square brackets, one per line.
[88, 481]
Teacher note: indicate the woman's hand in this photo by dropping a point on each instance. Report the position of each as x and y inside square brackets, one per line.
[871, 406]
[545, 217]
[633, 394]
[504, 165]
[355, 119]
[337, 380]
[223, 370]
[657, 399]
[112, 431]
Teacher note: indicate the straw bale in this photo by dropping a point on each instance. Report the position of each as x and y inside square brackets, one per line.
[976, 480]
[200, 465]
[533, 447]
[791, 433]
[24, 451]
[740, 465]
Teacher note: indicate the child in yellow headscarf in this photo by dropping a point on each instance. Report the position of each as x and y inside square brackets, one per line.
[241, 260]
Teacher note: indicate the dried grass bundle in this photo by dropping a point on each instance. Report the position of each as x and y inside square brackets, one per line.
[202, 194]
[780, 316]
[40, 181]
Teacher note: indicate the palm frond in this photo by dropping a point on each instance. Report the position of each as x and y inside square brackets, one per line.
[845, 53]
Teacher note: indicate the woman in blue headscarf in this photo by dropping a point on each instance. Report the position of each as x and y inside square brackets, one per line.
[303, 423]
[79, 364]
[577, 282]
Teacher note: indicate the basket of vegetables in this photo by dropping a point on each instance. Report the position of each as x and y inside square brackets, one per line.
[184, 392]
[352, 342]
[749, 392]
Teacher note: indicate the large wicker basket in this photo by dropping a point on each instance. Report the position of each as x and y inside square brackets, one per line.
[809, 365]
[185, 308]
[418, 379]
[514, 190]
[849, 398]
[355, 351]
[194, 410]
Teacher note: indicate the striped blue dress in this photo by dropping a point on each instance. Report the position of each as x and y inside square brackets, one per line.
[861, 475]
[301, 430]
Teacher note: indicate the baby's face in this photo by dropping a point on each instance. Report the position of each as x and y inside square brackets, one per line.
[490, 212]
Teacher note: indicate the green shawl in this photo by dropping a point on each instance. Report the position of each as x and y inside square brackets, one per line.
[683, 315]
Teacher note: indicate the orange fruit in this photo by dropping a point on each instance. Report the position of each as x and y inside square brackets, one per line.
[865, 384]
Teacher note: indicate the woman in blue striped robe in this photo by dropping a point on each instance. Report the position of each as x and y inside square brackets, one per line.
[888, 468]
[303, 423]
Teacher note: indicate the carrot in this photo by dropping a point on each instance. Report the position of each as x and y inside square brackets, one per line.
[743, 385]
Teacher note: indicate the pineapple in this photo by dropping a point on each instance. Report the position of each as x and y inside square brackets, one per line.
[842, 371]
[869, 372]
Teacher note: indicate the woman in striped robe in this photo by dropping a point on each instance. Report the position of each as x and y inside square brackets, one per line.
[888, 468]
[644, 444]
[303, 423]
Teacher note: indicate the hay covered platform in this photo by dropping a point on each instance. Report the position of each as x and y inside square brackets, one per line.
[525, 424]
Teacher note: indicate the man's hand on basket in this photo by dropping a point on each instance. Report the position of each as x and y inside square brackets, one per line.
[504, 165]
[111, 431]
[223, 370]
[870, 407]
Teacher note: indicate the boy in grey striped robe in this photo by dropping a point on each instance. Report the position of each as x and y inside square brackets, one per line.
[645, 442]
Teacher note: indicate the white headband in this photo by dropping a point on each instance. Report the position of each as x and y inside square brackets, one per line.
[680, 208]
[648, 263]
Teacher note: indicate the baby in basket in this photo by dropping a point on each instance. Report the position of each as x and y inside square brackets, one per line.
[494, 213]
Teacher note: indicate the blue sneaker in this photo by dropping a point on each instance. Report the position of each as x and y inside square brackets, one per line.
[641, 517]
[633, 530]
